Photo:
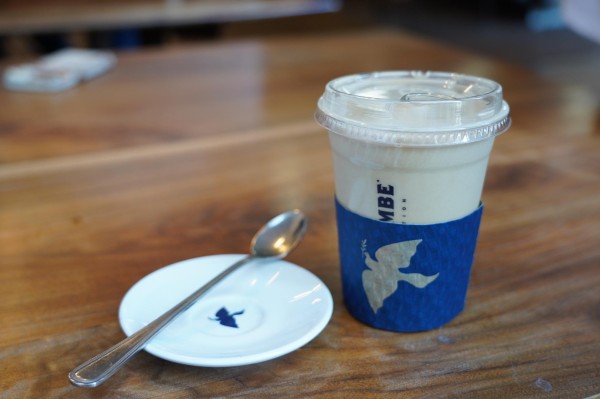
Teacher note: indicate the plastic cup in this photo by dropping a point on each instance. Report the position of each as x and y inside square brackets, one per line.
[410, 152]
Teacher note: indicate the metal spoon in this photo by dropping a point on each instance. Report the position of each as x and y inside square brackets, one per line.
[274, 240]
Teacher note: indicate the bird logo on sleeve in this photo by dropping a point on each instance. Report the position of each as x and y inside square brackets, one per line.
[381, 280]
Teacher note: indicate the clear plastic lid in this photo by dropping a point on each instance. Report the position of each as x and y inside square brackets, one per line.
[414, 108]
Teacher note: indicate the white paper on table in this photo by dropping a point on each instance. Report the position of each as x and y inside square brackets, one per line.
[59, 71]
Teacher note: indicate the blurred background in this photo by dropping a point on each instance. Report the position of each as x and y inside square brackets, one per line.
[557, 39]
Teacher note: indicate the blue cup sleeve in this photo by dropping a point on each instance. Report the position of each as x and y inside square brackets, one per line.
[404, 277]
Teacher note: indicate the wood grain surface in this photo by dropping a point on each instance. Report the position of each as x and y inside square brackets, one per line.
[183, 152]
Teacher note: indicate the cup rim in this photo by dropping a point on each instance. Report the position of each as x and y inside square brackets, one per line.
[429, 117]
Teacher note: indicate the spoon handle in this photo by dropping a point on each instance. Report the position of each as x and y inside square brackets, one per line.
[99, 368]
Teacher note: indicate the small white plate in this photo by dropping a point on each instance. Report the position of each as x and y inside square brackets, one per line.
[261, 311]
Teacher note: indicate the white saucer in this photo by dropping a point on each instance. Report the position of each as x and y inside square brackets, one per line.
[284, 306]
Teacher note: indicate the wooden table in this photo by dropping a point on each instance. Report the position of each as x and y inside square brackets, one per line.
[44, 16]
[183, 152]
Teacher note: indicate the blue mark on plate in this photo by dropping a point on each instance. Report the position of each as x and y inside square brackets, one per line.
[225, 318]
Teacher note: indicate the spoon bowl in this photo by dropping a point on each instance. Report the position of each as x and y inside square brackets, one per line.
[279, 236]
